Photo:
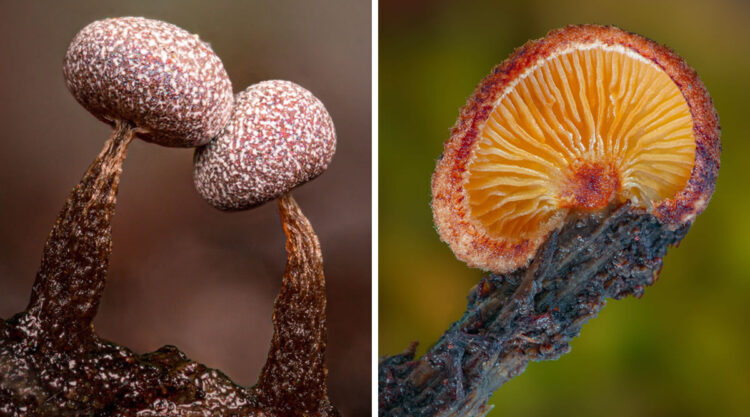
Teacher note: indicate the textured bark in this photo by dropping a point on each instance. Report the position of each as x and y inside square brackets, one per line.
[528, 315]
[53, 364]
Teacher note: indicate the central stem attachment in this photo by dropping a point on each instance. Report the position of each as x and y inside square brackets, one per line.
[590, 185]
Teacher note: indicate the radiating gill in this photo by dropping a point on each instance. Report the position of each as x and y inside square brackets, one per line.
[579, 130]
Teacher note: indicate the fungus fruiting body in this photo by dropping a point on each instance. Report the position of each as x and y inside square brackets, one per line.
[585, 118]
[279, 136]
[153, 80]
[146, 78]
[572, 168]
[162, 79]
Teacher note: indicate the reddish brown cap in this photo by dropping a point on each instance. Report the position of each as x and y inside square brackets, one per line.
[161, 78]
[279, 136]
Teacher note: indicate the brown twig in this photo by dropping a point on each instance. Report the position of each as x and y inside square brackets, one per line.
[528, 315]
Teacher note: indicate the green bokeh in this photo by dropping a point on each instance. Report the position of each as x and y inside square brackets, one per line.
[678, 351]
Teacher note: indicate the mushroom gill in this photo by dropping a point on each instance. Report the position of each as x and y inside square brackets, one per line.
[584, 127]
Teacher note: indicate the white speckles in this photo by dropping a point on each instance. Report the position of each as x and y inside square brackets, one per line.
[152, 73]
[279, 136]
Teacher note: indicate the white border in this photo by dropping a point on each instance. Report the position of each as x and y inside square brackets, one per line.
[374, 276]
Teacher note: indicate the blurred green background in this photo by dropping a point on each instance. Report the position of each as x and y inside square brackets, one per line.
[678, 351]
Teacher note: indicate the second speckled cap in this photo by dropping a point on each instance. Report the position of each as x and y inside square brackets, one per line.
[164, 80]
[279, 136]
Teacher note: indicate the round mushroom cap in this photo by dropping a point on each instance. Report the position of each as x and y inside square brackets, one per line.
[279, 136]
[583, 120]
[164, 80]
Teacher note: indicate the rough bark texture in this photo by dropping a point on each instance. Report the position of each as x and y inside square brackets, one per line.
[53, 364]
[528, 315]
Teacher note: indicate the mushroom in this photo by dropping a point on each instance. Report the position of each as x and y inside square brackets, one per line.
[144, 77]
[150, 79]
[280, 136]
[164, 81]
[572, 168]
[581, 120]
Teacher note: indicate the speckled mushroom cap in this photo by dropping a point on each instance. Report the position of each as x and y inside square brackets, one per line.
[279, 136]
[163, 79]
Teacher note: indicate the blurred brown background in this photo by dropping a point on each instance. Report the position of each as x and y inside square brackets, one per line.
[681, 350]
[182, 272]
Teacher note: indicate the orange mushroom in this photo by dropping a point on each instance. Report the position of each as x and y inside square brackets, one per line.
[585, 118]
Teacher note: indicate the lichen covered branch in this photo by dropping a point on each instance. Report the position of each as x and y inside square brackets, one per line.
[71, 278]
[293, 380]
[528, 315]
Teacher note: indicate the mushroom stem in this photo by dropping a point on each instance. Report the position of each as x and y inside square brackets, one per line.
[70, 281]
[530, 314]
[293, 380]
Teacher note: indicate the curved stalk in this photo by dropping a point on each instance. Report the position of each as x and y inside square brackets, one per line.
[293, 380]
[65, 296]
